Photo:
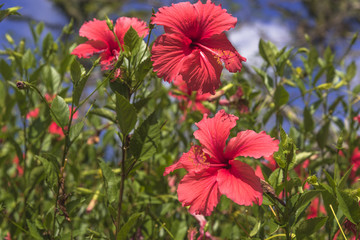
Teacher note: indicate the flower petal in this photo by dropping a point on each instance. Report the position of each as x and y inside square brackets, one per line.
[213, 132]
[251, 144]
[240, 184]
[201, 71]
[213, 19]
[193, 161]
[123, 25]
[89, 48]
[199, 191]
[195, 21]
[224, 50]
[97, 30]
[168, 54]
[179, 18]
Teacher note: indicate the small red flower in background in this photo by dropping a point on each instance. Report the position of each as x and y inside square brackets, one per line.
[192, 232]
[49, 97]
[56, 129]
[315, 208]
[33, 113]
[102, 41]
[187, 100]
[213, 170]
[357, 118]
[194, 45]
[20, 170]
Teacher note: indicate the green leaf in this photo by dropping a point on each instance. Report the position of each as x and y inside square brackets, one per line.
[51, 170]
[304, 201]
[322, 135]
[132, 39]
[28, 60]
[7, 12]
[124, 231]
[39, 28]
[256, 229]
[5, 70]
[47, 45]
[110, 180]
[105, 113]
[52, 78]
[61, 111]
[75, 130]
[308, 120]
[75, 71]
[267, 52]
[126, 114]
[349, 206]
[143, 69]
[309, 226]
[312, 59]
[344, 178]
[350, 71]
[33, 230]
[146, 138]
[281, 96]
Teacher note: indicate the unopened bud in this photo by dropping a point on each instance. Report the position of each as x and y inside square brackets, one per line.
[110, 24]
[20, 85]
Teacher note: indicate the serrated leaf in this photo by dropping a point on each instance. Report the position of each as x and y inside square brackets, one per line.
[349, 206]
[111, 181]
[51, 171]
[124, 231]
[281, 96]
[309, 226]
[51, 77]
[308, 120]
[146, 138]
[304, 201]
[126, 114]
[61, 111]
[75, 71]
[132, 39]
[33, 230]
[28, 60]
[75, 130]
[47, 45]
[344, 178]
[267, 52]
[322, 135]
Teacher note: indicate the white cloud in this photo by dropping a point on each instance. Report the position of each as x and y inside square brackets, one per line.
[246, 38]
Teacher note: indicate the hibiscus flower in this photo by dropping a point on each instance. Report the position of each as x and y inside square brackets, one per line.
[187, 100]
[194, 45]
[213, 170]
[102, 41]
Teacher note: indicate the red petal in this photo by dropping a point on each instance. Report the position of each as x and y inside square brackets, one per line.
[213, 132]
[222, 48]
[240, 184]
[193, 161]
[199, 191]
[201, 71]
[179, 18]
[98, 30]
[123, 25]
[213, 19]
[251, 144]
[168, 54]
[89, 48]
[195, 21]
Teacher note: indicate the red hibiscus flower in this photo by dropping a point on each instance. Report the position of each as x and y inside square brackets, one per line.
[213, 170]
[102, 41]
[189, 100]
[194, 45]
[357, 118]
